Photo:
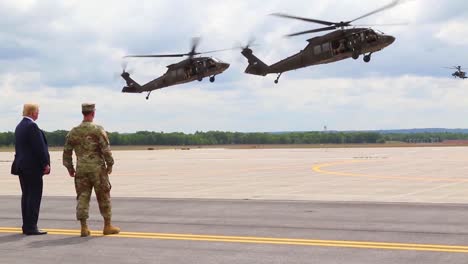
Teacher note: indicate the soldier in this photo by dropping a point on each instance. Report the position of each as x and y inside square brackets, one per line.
[94, 164]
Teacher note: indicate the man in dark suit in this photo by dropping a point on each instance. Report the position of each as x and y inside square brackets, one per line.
[32, 161]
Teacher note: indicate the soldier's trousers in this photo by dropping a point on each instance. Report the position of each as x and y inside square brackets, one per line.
[85, 181]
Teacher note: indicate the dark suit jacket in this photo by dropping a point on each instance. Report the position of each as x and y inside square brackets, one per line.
[32, 154]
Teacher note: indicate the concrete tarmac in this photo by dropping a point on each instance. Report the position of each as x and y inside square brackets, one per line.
[426, 175]
[235, 231]
[358, 205]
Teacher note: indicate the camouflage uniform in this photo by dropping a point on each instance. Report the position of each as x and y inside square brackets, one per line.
[94, 160]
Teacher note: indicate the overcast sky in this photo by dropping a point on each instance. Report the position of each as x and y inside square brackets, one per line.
[62, 53]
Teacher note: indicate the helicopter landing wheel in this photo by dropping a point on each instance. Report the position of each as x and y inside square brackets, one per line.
[200, 79]
[355, 55]
[277, 78]
[147, 97]
[212, 79]
[367, 58]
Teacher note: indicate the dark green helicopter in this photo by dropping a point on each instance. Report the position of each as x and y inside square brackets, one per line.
[188, 70]
[459, 73]
[335, 46]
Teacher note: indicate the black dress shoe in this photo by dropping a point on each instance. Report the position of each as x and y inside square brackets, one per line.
[35, 232]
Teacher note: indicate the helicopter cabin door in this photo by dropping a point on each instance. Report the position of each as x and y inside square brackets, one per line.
[322, 51]
[339, 46]
[176, 75]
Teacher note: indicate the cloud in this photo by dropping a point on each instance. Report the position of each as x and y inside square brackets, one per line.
[455, 33]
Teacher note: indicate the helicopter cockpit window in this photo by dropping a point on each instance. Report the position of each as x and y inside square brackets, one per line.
[210, 63]
[326, 47]
[371, 36]
[317, 50]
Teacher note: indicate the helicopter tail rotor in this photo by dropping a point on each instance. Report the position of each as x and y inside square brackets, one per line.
[256, 66]
[132, 85]
[124, 66]
[246, 48]
[250, 43]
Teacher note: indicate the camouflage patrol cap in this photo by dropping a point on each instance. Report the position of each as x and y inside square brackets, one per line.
[87, 107]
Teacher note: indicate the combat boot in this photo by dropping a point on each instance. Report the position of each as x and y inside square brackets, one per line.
[108, 228]
[84, 228]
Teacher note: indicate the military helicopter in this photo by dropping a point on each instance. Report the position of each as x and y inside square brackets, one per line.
[190, 69]
[335, 46]
[459, 73]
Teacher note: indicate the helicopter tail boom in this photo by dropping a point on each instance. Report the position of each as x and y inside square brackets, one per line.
[256, 66]
[132, 85]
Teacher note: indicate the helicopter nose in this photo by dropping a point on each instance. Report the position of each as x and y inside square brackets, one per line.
[389, 39]
[224, 66]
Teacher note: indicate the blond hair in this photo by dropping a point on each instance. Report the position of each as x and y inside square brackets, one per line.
[29, 109]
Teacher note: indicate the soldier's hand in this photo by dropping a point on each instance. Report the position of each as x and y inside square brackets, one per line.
[109, 170]
[71, 173]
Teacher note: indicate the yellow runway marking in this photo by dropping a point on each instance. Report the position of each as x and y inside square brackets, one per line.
[320, 168]
[263, 240]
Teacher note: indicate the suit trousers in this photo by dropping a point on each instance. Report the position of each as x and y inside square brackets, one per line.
[31, 187]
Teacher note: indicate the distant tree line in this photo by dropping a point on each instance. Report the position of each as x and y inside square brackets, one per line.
[425, 137]
[57, 138]
[228, 138]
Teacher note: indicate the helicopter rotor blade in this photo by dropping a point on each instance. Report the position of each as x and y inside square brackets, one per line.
[116, 75]
[213, 51]
[383, 8]
[156, 56]
[326, 23]
[335, 25]
[312, 31]
[195, 42]
[250, 43]
[124, 65]
[382, 25]
[193, 51]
